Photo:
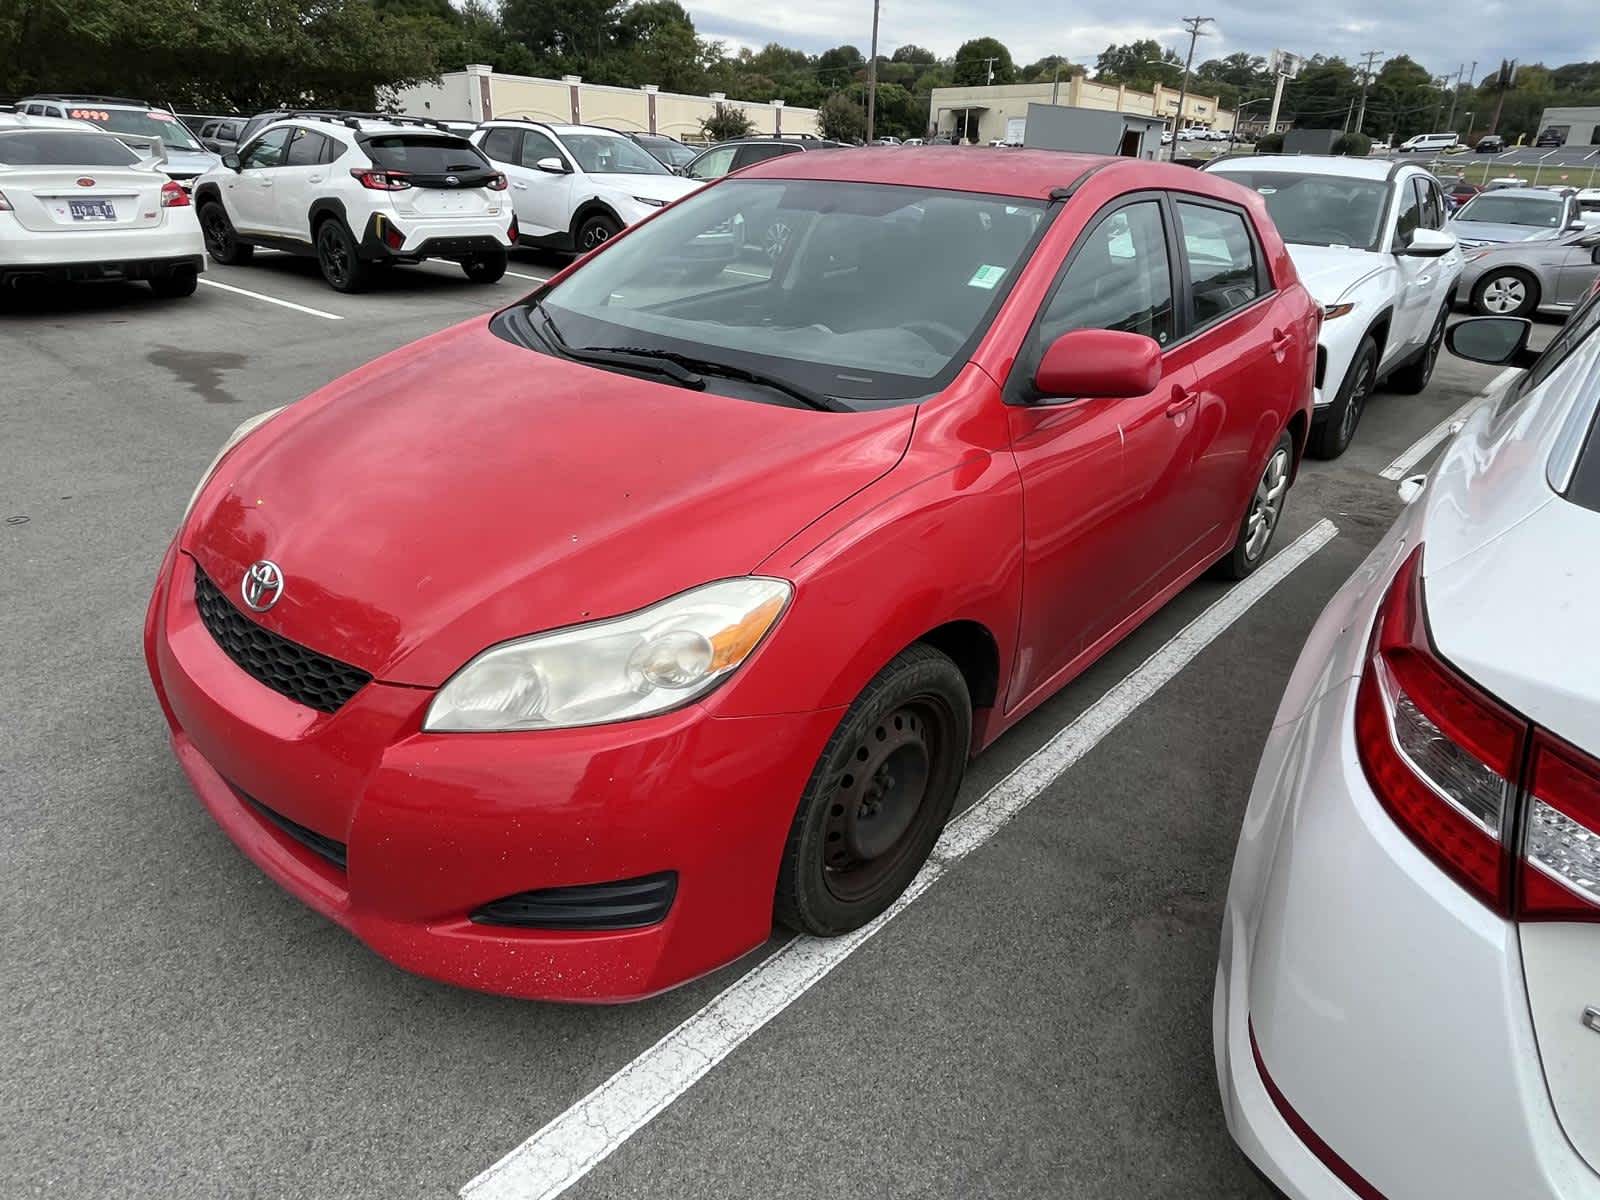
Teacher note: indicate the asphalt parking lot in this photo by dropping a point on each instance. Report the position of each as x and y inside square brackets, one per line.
[1036, 1022]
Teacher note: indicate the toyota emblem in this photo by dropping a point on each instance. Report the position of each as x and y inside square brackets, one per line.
[262, 585]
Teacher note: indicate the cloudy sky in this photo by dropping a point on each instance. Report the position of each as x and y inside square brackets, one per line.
[1442, 36]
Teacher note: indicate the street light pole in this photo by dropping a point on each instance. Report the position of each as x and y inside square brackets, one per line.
[1195, 26]
[872, 75]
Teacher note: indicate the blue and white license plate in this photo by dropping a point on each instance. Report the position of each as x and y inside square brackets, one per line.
[92, 210]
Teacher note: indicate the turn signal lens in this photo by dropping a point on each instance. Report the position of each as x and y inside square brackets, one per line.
[497, 183]
[173, 195]
[1561, 864]
[1331, 311]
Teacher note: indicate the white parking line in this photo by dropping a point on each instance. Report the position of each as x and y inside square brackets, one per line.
[1419, 449]
[570, 1146]
[315, 312]
[520, 275]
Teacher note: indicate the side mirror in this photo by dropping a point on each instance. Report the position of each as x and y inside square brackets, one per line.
[1098, 363]
[552, 166]
[1430, 243]
[231, 161]
[1498, 341]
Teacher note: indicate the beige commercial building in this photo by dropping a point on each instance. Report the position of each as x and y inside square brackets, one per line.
[480, 93]
[999, 113]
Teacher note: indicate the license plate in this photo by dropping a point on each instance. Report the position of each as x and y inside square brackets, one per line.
[92, 210]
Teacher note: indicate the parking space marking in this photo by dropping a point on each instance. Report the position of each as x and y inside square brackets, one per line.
[315, 312]
[1420, 449]
[574, 1143]
[520, 275]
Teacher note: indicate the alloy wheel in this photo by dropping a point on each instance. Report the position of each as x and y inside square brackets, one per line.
[333, 255]
[1267, 505]
[1358, 401]
[1504, 294]
[219, 237]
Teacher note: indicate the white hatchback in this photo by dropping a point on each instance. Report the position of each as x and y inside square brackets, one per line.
[1408, 990]
[78, 204]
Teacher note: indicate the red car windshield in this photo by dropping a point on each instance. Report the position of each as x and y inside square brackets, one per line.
[867, 293]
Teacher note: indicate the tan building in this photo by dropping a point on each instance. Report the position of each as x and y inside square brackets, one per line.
[480, 93]
[999, 113]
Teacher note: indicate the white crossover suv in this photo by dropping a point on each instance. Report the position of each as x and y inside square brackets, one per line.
[576, 186]
[1368, 239]
[1408, 989]
[78, 204]
[358, 192]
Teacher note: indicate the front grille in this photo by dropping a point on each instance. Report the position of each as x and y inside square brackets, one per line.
[319, 844]
[622, 904]
[286, 667]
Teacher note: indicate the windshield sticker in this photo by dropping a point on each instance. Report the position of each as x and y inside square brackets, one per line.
[986, 276]
[157, 115]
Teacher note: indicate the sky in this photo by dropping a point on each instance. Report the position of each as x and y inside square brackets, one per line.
[1442, 36]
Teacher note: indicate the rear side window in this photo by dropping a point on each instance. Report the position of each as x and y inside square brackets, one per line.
[305, 150]
[41, 148]
[1222, 261]
[755, 154]
[424, 154]
[1120, 278]
[714, 164]
[501, 145]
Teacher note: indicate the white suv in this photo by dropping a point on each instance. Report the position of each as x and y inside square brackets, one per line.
[1368, 239]
[358, 192]
[576, 186]
[78, 204]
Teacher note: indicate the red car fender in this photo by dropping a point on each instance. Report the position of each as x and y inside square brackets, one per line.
[957, 487]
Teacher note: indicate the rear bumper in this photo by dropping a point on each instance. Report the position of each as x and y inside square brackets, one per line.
[98, 271]
[102, 253]
[1389, 1008]
[455, 238]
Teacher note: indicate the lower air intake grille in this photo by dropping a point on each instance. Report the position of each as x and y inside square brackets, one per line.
[319, 844]
[286, 667]
[623, 904]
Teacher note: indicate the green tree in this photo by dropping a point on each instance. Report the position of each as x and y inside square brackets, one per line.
[655, 43]
[1141, 64]
[916, 55]
[837, 67]
[841, 119]
[726, 121]
[974, 60]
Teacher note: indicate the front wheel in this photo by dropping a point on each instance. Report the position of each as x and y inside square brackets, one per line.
[222, 240]
[486, 268]
[879, 796]
[1505, 294]
[596, 232]
[1332, 437]
[1412, 379]
[1261, 516]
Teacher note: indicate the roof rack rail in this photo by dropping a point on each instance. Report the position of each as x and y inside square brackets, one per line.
[352, 118]
[88, 96]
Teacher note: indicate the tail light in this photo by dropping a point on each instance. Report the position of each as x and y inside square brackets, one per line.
[380, 181]
[512, 231]
[5, 205]
[497, 183]
[173, 195]
[393, 237]
[1455, 769]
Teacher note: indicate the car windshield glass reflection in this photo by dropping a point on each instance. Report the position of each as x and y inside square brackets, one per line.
[1512, 210]
[858, 291]
[154, 123]
[608, 154]
[1320, 210]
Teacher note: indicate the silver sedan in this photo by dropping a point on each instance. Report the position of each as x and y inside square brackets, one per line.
[1520, 278]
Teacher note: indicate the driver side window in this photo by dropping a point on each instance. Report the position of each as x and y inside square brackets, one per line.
[714, 164]
[267, 151]
[535, 146]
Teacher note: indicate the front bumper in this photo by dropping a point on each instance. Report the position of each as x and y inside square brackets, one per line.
[434, 826]
[454, 238]
[1389, 1008]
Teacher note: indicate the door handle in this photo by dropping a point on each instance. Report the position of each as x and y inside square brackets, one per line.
[521, 187]
[1182, 401]
[1280, 343]
[266, 183]
[314, 178]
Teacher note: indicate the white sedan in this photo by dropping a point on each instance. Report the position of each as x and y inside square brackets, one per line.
[1408, 990]
[78, 204]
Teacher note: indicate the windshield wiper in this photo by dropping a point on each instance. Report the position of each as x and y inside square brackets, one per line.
[707, 366]
[600, 356]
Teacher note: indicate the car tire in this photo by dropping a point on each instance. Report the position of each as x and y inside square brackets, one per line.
[879, 796]
[222, 240]
[1261, 516]
[1332, 436]
[176, 283]
[1505, 293]
[486, 268]
[1412, 379]
[595, 232]
[338, 257]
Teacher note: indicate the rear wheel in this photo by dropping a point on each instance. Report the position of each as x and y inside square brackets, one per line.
[879, 796]
[1261, 516]
[486, 268]
[175, 284]
[336, 255]
[1413, 378]
[1332, 437]
[222, 240]
[595, 232]
[1506, 294]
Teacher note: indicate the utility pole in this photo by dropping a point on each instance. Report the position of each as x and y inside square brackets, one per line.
[1371, 57]
[1504, 78]
[1055, 82]
[1195, 26]
[1348, 109]
[988, 62]
[1456, 92]
[872, 76]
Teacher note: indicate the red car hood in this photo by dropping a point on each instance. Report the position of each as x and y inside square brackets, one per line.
[463, 491]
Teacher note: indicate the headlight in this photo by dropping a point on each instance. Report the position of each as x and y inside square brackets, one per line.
[649, 203]
[234, 438]
[650, 661]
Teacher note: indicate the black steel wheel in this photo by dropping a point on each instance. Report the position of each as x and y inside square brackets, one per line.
[878, 797]
[1332, 437]
[336, 255]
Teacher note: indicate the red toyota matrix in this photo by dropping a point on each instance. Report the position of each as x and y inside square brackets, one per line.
[560, 653]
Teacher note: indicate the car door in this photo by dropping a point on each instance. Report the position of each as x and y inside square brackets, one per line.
[1414, 304]
[1448, 267]
[248, 192]
[298, 182]
[1082, 558]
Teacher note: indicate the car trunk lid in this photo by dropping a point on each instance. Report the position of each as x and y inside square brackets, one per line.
[448, 176]
[75, 199]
